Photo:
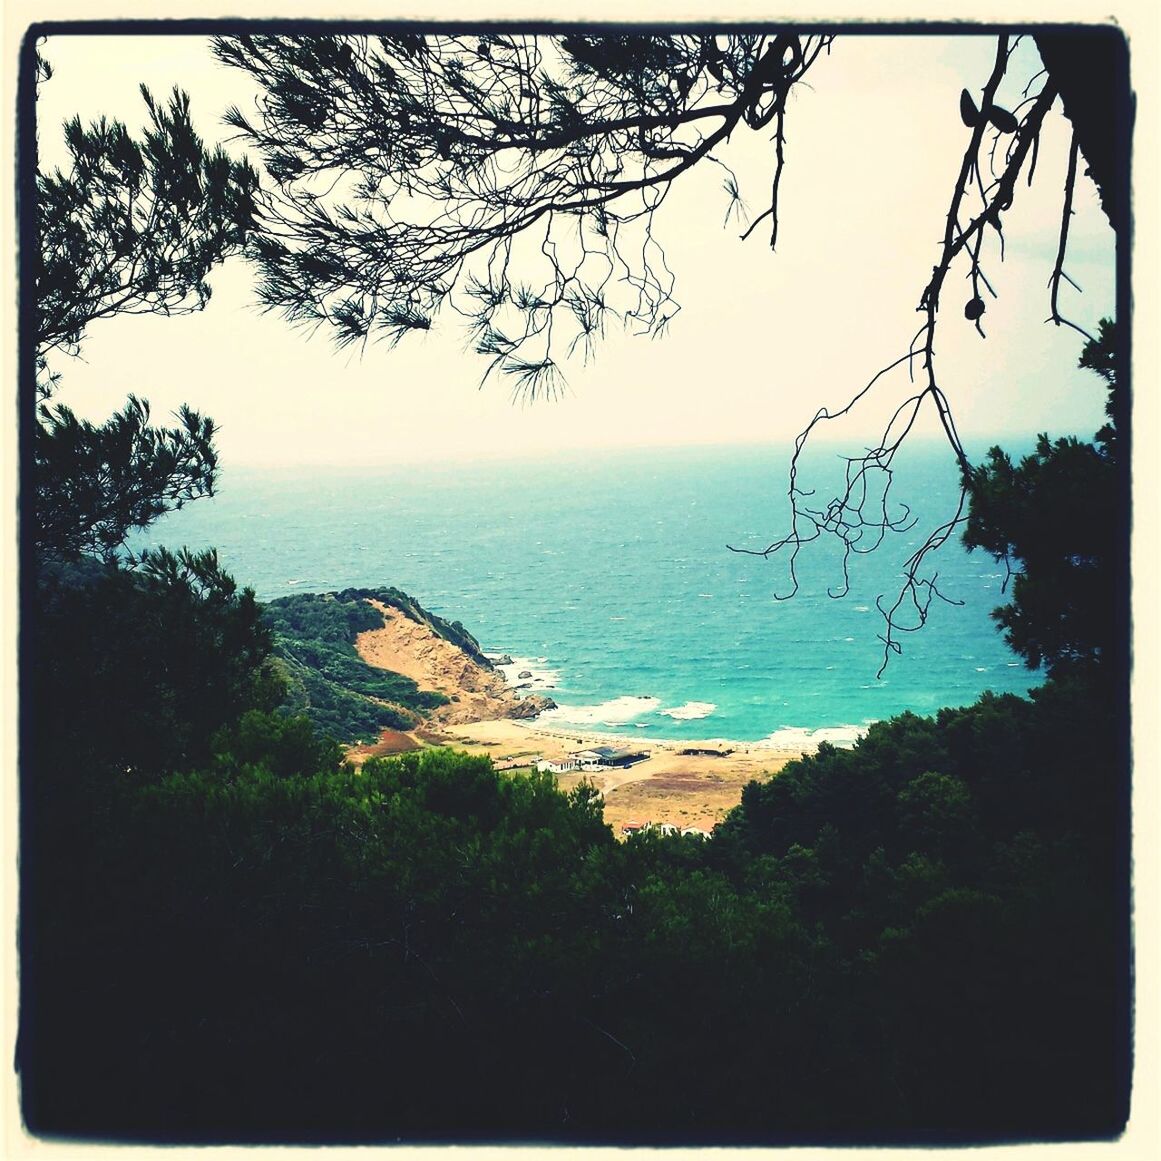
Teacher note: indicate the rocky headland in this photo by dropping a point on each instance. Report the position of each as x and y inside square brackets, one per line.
[381, 673]
[475, 689]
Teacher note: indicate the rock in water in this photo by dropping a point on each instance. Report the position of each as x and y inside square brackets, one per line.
[531, 706]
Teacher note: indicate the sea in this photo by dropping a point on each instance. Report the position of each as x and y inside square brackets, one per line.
[611, 579]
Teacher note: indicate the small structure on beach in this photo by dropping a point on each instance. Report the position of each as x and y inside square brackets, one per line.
[557, 766]
[628, 828]
[705, 752]
[606, 757]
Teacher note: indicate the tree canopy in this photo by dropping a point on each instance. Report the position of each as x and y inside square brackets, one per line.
[1055, 515]
[130, 226]
[408, 167]
[95, 483]
[917, 936]
[134, 226]
[135, 661]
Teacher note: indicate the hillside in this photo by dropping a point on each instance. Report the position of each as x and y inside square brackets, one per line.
[360, 661]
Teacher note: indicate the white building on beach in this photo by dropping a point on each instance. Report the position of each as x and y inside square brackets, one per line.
[560, 766]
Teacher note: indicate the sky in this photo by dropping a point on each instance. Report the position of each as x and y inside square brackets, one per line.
[763, 340]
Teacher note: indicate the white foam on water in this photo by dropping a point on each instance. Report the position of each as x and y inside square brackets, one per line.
[801, 737]
[690, 711]
[542, 676]
[619, 711]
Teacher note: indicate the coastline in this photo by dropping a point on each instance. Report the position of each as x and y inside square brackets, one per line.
[497, 712]
[668, 787]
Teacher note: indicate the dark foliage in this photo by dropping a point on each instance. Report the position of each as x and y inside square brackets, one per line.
[1059, 517]
[134, 226]
[963, 870]
[915, 936]
[135, 669]
[130, 227]
[95, 484]
[272, 954]
[287, 746]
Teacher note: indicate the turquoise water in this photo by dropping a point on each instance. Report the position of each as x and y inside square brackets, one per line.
[608, 577]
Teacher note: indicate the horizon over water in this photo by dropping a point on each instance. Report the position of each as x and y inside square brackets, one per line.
[607, 574]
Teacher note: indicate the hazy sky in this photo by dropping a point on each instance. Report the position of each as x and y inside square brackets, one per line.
[763, 340]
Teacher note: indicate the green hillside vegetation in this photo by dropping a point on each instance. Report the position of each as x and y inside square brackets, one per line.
[328, 682]
[915, 934]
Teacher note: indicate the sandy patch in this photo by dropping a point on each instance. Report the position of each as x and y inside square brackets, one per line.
[435, 665]
[390, 742]
[668, 787]
[484, 718]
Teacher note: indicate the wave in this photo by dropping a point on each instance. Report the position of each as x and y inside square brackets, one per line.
[791, 737]
[542, 676]
[620, 711]
[690, 711]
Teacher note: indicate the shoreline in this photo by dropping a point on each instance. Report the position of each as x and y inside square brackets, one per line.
[535, 675]
[584, 735]
[667, 787]
[484, 716]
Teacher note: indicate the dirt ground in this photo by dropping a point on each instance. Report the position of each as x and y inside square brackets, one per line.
[668, 787]
[390, 742]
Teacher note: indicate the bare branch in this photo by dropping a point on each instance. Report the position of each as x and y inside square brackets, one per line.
[407, 169]
[861, 515]
[1058, 273]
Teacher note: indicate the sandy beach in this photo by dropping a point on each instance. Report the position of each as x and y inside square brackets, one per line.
[487, 716]
[667, 787]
